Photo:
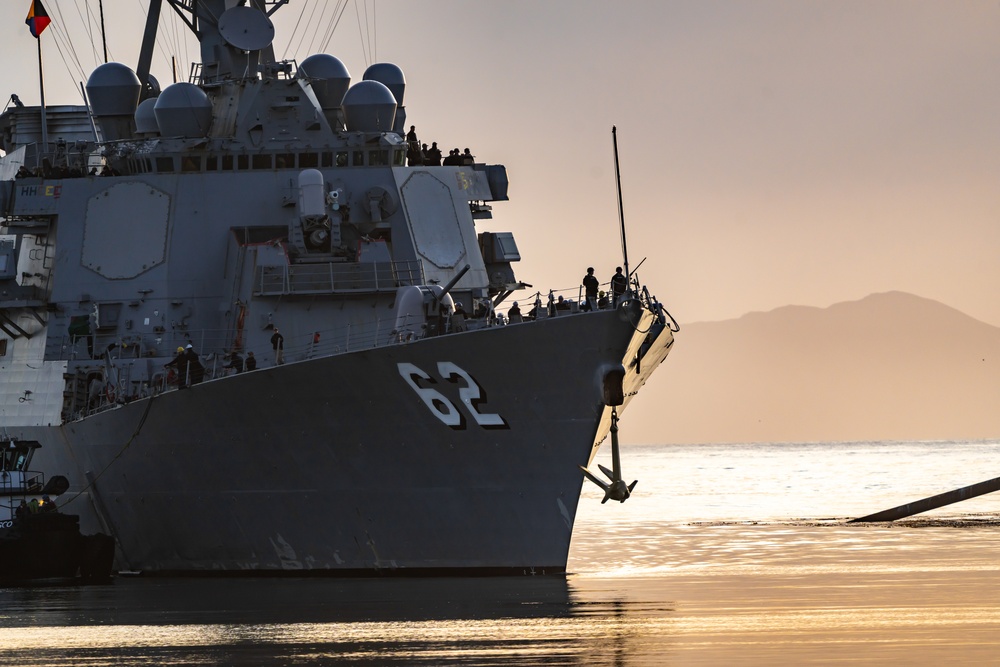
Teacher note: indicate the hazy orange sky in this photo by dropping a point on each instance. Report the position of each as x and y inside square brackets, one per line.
[772, 152]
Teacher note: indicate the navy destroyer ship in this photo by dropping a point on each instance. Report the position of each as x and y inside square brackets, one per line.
[153, 240]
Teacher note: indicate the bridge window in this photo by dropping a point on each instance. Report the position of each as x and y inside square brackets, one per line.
[15, 456]
[165, 165]
[308, 160]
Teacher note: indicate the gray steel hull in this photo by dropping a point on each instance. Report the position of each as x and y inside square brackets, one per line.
[338, 465]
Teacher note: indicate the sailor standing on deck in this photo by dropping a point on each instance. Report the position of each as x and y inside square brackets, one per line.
[235, 362]
[619, 283]
[590, 287]
[413, 153]
[514, 314]
[278, 343]
[179, 364]
[196, 372]
[458, 317]
[433, 156]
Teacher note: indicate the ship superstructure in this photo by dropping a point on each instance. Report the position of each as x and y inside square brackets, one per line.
[263, 204]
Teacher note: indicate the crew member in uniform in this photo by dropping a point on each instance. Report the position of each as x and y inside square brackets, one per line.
[278, 343]
[590, 286]
[514, 314]
[619, 283]
[179, 364]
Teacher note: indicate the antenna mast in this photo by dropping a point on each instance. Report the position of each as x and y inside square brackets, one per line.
[621, 210]
[148, 43]
[104, 34]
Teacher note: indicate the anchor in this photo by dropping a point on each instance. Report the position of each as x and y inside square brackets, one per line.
[617, 489]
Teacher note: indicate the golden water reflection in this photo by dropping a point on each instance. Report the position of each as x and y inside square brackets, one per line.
[705, 565]
[915, 617]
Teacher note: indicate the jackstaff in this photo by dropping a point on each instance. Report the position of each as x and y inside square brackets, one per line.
[37, 21]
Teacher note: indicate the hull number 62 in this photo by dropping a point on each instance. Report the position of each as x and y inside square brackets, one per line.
[470, 394]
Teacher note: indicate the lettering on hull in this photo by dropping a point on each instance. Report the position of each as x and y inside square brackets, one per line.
[470, 395]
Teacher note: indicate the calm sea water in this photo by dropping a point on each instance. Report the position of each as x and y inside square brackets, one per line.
[725, 554]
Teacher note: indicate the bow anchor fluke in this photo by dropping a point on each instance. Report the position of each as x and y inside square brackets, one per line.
[616, 489]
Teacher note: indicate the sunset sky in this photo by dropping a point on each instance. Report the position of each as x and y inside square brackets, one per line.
[772, 152]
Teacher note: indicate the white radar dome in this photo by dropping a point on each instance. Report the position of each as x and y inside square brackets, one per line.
[390, 76]
[145, 117]
[183, 110]
[330, 79]
[369, 107]
[113, 90]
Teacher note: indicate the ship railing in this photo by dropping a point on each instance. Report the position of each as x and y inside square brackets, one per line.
[13, 483]
[97, 350]
[121, 369]
[200, 73]
[14, 489]
[24, 296]
[336, 278]
[214, 344]
[112, 372]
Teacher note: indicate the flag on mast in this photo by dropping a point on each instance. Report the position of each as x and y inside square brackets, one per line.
[38, 19]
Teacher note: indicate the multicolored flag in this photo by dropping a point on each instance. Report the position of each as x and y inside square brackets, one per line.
[38, 19]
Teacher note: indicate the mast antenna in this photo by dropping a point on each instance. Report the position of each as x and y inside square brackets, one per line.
[104, 34]
[621, 210]
[146, 51]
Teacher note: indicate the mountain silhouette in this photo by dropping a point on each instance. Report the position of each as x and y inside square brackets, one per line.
[891, 366]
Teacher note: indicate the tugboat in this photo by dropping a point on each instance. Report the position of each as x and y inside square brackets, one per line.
[37, 541]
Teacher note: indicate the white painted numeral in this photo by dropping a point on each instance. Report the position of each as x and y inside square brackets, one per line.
[470, 394]
[438, 403]
[469, 391]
